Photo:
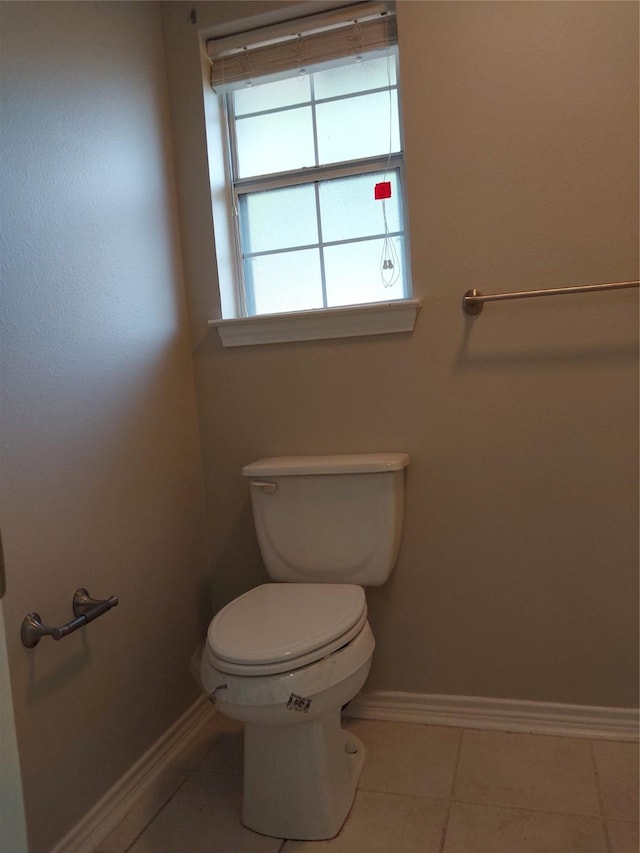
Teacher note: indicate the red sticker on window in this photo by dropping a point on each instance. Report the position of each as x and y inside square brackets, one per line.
[382, 190]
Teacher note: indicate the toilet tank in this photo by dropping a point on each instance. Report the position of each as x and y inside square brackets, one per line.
[329, 519]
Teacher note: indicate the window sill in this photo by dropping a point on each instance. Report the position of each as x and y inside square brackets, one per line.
[380, 318]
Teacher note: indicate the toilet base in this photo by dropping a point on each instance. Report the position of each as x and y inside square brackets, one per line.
[300, 780]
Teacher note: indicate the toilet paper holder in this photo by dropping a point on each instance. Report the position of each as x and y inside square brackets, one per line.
[85, 609]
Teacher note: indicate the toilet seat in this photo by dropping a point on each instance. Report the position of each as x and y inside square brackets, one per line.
[283, 626]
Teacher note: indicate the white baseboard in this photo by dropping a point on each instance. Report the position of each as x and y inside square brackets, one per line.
[508, 715]
[116, 803]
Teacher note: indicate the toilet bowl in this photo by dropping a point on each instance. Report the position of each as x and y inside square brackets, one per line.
[285, 657]
[310, 641]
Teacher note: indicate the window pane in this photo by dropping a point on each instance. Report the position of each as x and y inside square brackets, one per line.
[275, 142]
[348, 208]
[270, 96]
[278, 219]
[354, 275]
[358, 127]
[356, 76]
[287, 281]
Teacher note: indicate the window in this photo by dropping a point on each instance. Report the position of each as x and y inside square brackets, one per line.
[315, 173]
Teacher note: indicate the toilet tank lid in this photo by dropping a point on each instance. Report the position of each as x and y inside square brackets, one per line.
[346, 463]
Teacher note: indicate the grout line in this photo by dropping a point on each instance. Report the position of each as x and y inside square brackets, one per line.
[450, 801]
[210, 772]
[162, 807]
[605, 828]
[526, 809]
[404, 796]
[489, 805]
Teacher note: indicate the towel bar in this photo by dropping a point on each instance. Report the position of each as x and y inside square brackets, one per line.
[85, 610]
[473, 300]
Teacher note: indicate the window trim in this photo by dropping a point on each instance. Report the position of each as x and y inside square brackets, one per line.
[371, 318]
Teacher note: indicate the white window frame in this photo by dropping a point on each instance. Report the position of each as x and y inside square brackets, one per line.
[235, 328]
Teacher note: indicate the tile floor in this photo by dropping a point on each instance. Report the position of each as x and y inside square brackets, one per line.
[425, 789]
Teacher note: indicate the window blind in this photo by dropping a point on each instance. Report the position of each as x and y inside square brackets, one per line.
[301, 44]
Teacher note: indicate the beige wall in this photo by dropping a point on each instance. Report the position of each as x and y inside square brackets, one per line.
[518, 572]
[101, 472]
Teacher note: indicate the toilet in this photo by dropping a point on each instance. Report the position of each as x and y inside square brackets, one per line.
[285, 657]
